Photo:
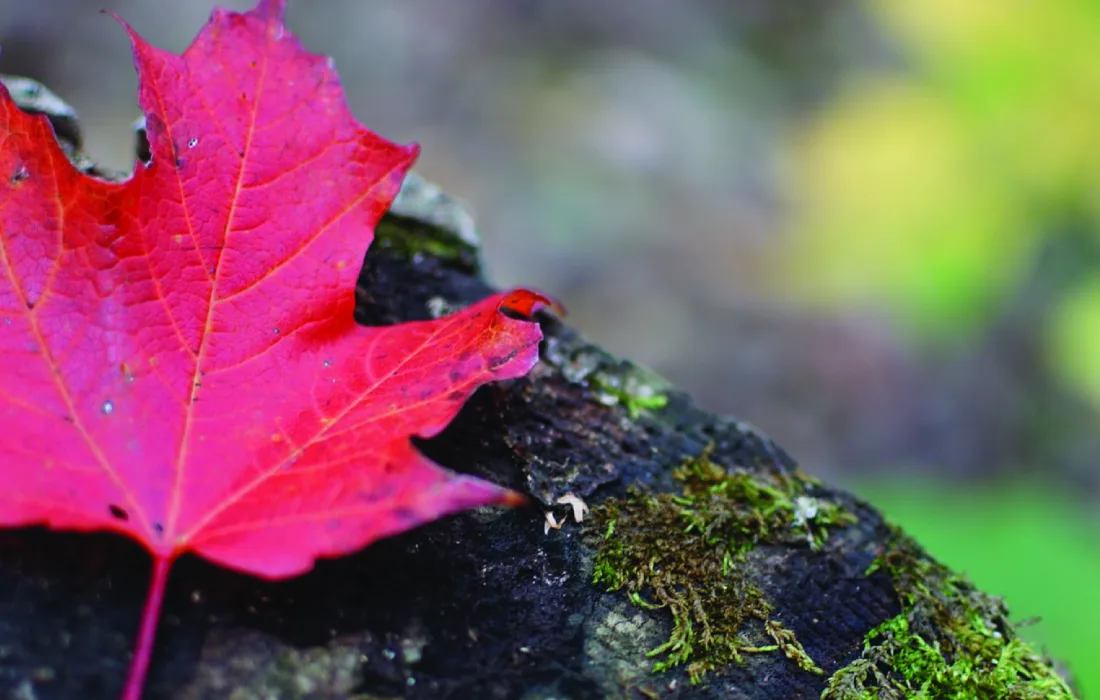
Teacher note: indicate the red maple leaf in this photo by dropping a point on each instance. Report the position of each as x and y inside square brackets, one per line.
[179, 359]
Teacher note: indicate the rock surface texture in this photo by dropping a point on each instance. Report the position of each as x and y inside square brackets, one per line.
[498, 603]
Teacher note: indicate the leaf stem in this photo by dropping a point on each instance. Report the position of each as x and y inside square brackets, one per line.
[147, 633]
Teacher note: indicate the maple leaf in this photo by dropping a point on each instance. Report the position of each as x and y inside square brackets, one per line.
[180, 362]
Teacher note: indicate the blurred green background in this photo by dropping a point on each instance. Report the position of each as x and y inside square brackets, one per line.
[870, 228]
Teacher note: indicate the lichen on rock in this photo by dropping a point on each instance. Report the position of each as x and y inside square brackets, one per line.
[331, 670]
[614, 382]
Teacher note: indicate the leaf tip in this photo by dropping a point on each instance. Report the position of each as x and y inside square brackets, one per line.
[527, 302]
[130, 31]
[512, 499]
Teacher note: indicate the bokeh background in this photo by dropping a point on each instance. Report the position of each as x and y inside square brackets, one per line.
[870, 228]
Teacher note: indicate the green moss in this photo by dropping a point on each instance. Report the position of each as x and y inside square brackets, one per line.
[949, 641]
[635, 389]
[685, 552]
[424, 221]
[410, 238]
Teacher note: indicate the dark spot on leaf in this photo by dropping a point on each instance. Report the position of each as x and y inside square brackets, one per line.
[158, 528]
[501, 360]
[240, 154]
[21, 173]
[407, 515]
[118, 512]
[179, 163]
[455, 375]
[454, 396]
[30, 304]
[464, 355]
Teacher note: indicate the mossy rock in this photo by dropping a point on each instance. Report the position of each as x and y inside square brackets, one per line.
[709, 565]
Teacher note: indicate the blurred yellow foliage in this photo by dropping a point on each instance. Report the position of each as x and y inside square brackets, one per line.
[924, 189]
[892, 210]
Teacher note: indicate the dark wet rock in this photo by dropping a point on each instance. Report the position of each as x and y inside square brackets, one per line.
[486, 604]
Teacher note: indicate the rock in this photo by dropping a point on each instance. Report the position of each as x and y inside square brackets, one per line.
[735, 575]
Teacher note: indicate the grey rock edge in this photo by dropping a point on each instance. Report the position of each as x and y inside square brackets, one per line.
[479, 605]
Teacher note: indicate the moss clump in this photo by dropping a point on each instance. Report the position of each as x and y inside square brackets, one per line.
[949, 641]
[634, 390]
[684, 552]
